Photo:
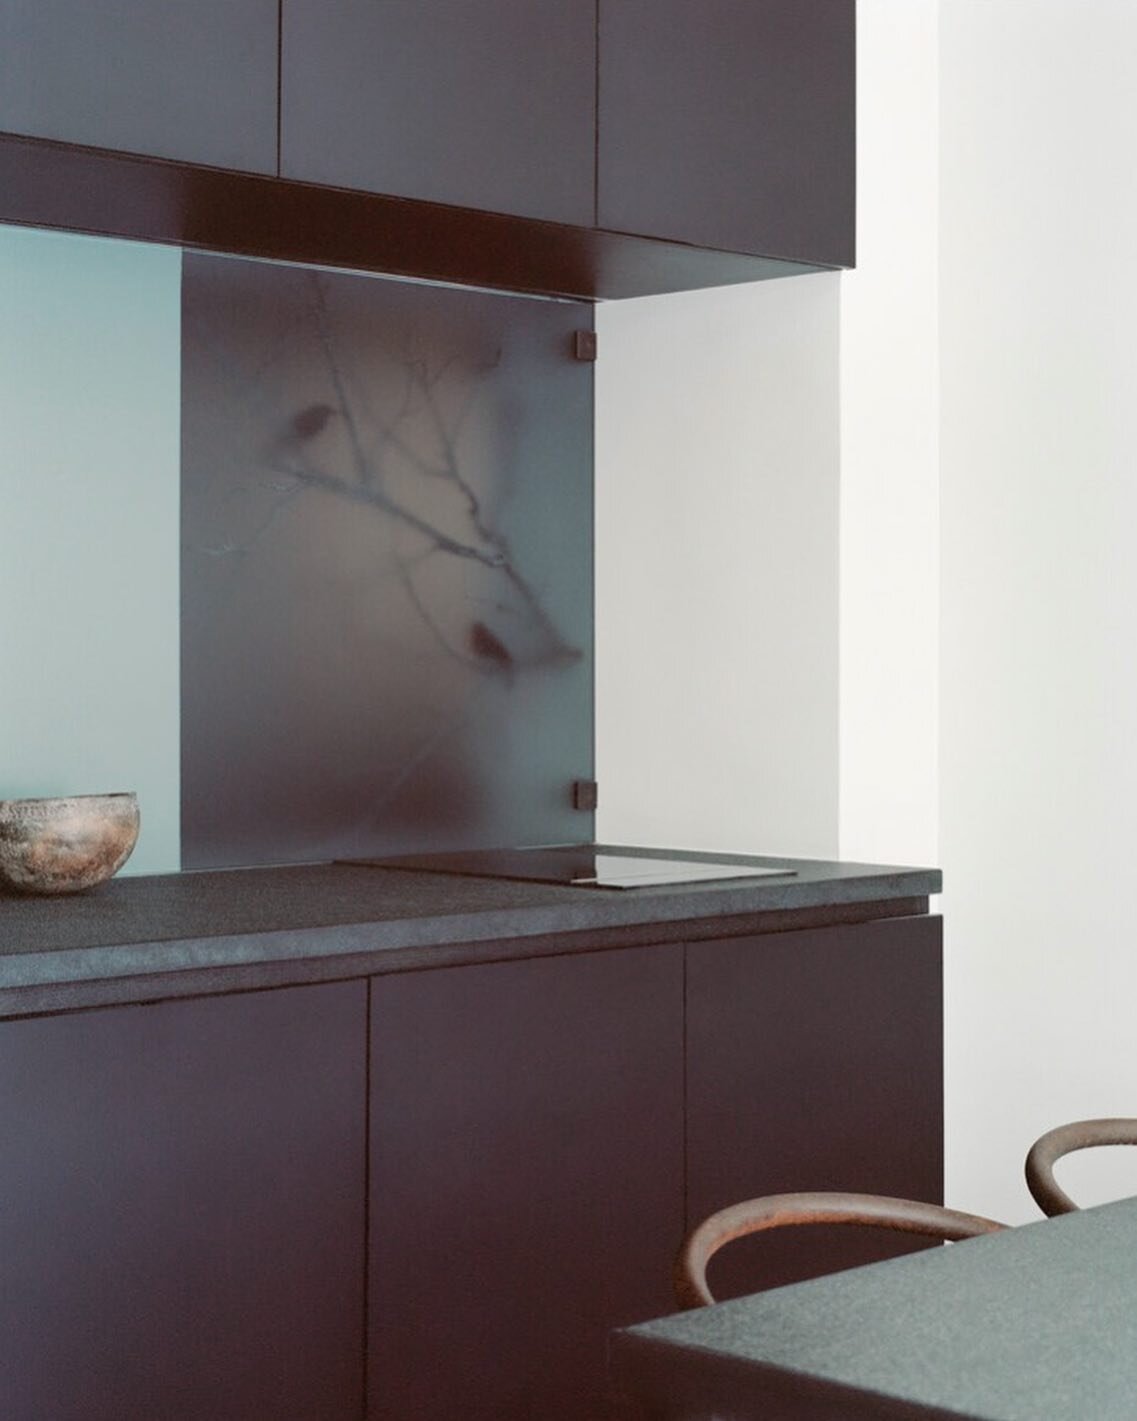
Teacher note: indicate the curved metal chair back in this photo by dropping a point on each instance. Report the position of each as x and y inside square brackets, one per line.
[776, 1211]
[1063, 1140]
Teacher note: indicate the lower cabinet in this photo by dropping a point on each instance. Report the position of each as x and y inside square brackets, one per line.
[182, 1210]
[526, 1180]
[433, 1194]
[814, 1061]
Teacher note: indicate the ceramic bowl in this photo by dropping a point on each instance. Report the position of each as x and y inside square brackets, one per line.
[65, 845]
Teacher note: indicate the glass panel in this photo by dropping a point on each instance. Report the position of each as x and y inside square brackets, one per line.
[386, 566]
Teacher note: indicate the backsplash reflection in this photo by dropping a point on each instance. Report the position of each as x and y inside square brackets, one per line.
[386, 566]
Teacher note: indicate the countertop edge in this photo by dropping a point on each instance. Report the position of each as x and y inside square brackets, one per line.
[684, 1378]
[35, 981]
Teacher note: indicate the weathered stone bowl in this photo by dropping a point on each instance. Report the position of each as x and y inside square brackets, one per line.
[65, 845]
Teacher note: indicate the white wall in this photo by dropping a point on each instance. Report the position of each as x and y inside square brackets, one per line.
[716, 589]
[89, 486]
[1039, 502]
[726, 718]
[889, 450]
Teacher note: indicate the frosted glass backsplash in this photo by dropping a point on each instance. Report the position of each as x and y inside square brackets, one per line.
[386, 566]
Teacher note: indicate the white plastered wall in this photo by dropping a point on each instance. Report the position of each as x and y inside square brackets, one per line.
[1038, 766]
[716, 588]
[889, 576]
[726, 448]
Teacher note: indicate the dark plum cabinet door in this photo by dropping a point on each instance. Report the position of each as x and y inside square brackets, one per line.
[814, 1062]
[730, 124]
[488, 105]
[189, 81]
[526, 1180]
[182, 1221]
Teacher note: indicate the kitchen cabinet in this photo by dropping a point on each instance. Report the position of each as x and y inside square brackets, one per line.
[591, 149]
[183, 1213]
[726, 125]
[814, 1061]
[489, 105]
[526, 1179]
[195, 81]
[730, 124]
[529, 1174]
[429, 1186]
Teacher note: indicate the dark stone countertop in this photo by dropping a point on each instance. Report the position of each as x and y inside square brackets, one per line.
[138, 939]
[1033, 1324]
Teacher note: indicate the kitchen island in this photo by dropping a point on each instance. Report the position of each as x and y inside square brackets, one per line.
[330, 1141]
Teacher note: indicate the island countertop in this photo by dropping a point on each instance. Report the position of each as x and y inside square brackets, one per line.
[144, 938]
[1033, 1322]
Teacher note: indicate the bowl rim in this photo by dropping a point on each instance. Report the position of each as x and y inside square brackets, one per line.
[70, 798]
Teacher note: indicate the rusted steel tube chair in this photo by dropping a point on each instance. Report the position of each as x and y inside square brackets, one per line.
[1064, 1140]
[775, 1211]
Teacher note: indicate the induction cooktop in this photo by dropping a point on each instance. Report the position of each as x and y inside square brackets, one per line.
[579, 866]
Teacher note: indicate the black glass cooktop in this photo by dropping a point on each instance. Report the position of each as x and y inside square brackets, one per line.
[578, 866]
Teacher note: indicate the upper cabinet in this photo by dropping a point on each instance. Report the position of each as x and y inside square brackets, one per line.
[194, 81]
[579, 148]
[730, 124]
[488, 105]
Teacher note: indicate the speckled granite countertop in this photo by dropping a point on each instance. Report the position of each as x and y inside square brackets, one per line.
[138, 939]
[1033, 1324]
